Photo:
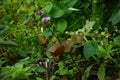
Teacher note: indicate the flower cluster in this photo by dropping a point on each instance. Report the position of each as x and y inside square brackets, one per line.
[39, 12]
[44, 19]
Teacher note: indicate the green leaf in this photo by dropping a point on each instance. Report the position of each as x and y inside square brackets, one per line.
[63, 71]
[24, 52]
[116, 41]
[72, 3]
[47, 32]
[8, 43]
[57, 12]
[61, 65]
[101, 72]
[27, 19]
[90, 49]
[41, 69]
[61, 25]
[101, 49]
[89, 26]
[115, 18]
[48, 7]
[86, 73]
[53, 77]
[37, 78]
[1, 26]
[3, 30]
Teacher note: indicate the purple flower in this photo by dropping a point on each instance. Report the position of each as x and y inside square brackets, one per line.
[39, 12]
[40, 63]
[45, 19]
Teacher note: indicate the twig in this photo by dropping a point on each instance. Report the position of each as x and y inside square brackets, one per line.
[47, 70]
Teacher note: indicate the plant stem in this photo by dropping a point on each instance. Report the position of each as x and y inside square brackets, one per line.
[54, 35]
[74, 49]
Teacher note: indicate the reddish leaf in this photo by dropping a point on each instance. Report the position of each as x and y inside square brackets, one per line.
[57, 50]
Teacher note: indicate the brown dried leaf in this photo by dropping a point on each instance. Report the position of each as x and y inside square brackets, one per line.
[57, 50]
[43, 41]
[67, 45]
[53, 48]
[77, 39]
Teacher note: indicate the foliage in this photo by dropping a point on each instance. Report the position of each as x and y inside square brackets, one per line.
[59, 40]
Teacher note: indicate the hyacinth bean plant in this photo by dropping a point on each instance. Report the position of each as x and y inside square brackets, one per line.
[59, 40]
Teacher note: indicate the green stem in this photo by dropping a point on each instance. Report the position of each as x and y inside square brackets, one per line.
[74, 49]
[54, 35]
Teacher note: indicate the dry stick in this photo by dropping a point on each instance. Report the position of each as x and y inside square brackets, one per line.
[74, 49]
[47, 69]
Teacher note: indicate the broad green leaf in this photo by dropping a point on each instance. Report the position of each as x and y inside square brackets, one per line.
[61, 25]
[57, 12]
[90, 49]
[101, 72]
[48, 7]
[23, 52]
[8, 43]
[86, 73]
[72, 3]
[116, 41]
[115, 18]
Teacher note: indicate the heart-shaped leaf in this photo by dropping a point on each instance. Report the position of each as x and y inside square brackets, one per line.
[57, 50]
[61, 25]
[56, 11]
[90, 49]
[67, 45]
